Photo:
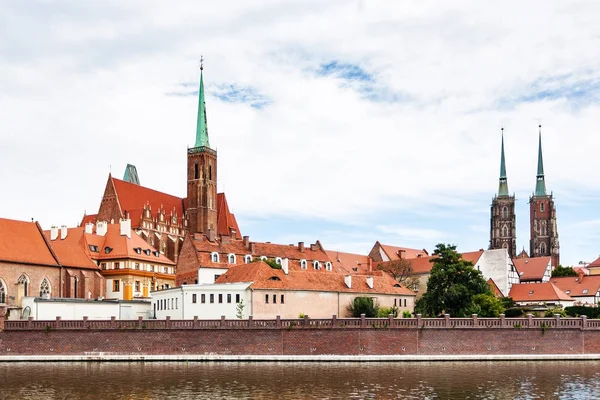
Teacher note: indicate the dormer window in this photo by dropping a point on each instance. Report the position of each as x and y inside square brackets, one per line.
[138, 250]
[397, 285]
[584, 291]
[568, 292]
[303, 264]
[316, 265]
[214, 257]
[263, 258]
[156, 253]
[328, 266]
[531, 292]
[278, 260]
[274, 278]
[94, 248]
[107, 249]
[231, 258]
[247, 259]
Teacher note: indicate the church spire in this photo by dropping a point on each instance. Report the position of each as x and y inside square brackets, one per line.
[540, 184]
[503, 186]
[201, 126]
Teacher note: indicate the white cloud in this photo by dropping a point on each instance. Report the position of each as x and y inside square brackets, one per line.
[85, 87]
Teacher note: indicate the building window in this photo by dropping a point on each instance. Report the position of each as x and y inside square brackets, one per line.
[278, 260]
[228, 298]
[404, 302]
[214, 256]
[24, 280]
[263, 258]
[395, 300]
[303, 264]
[138, 286]
[137, 265]
[316, 265]
[247, 259]
[212, 298]
[217, 277]
[2, 292]
[266, 298]
[196, 170]
[274, 299]
[165, 270]
[176, 304]
[504, 231]
[541, 207]
[103, 265]
[194, 298]
[282, 299]
[504, 212]
[117, 265]
[328, 266]
[237, 298]
[93, 248]
[44, 287]
[116, 285]
[231, 258]
[585, 291]
[220, 298]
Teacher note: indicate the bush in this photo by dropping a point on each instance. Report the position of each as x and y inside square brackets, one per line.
[487, 305]
[551, 311]
[363, 305]
[406, 314]
[513, 312]
[272, 264]
[576, 311]
[384, 312]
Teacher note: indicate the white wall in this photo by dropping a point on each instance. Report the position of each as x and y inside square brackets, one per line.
[207, 275]
[497, 265]
[71, 309]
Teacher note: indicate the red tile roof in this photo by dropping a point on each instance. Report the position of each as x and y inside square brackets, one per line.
[349, 262]
[265, 277]
[494, 288]
[225, 219]
[395, 252]
[531, 269]
[70, 250]
[595, 263]
[537, 292]
[88, 219]
[575, 286]
[23, 242]
[423, 265]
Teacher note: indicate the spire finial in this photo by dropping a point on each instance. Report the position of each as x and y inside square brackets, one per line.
[540, 184]
[201, 62]
[503, 185]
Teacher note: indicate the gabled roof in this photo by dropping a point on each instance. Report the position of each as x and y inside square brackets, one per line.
[395, 252]
[575, 286]
[23, 242]
[531, 269]
[595, 263]
[494, 288]
[225, 219]
[263, 276]
[70, 250]
[349, 262]
[423, 265]
[537, 292]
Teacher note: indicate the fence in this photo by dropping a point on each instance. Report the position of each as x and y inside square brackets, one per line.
[446, 322]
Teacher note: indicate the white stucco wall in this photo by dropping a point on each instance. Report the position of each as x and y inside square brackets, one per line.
[207, 275]
[497, 265]
[69, 309]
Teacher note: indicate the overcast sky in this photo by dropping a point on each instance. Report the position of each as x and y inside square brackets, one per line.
[344, 121]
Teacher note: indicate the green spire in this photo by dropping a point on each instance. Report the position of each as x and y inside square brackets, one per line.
[540, 184]
[503, 186]
[201, 126]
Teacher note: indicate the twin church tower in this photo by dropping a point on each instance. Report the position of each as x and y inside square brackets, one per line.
[543, 238]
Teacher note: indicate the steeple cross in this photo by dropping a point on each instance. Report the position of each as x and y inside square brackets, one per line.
[201, 63]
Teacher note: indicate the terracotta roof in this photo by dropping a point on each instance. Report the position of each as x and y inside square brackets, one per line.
[537, 292]
[265, 277]
[423, 265]
[23, 242]
[349, 262]
[88, 219]
[583, 270]
[575, 286]
[225, 219]
[531, 269]
[595, 263]
[70, 250]
[494, 288]
[395, 252]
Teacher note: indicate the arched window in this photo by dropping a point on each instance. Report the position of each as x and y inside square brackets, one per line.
[210, 172]
[75, 287]
[303, 264]
[231, 258]
[504, 231]
[328, 266]
[263, 258]
[543, 248]
[24, 280]
[247, 259]
[316, 265]
[2, 292]
[505, 245]
[45, 288]
[504, 212]
[278, 260]
[196, 170]
[541, 207]
[543, 228]
[214, 256]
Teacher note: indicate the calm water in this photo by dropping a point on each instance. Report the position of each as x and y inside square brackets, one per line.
[497, 380]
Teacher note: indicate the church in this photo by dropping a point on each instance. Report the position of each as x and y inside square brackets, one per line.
[543, 239]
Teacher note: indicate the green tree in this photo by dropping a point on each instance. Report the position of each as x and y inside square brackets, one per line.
[239, 310]
[401, 270]
[563, 271]
[363, 305]
[451, 286]
[487, 305]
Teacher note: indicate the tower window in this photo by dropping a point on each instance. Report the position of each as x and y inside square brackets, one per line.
[541, 207]
[196, 170]
[210, 172]
[504, 212]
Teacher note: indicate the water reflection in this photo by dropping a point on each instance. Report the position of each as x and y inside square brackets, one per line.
[472, 380]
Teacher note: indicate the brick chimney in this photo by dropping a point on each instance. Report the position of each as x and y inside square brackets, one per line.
[53, 232]
[225, 239]
[301, 247]
[252, 246]
[125, 227]
[369, 264]
[370, 282]
[211, 235]
[313, 247]
[246, 241]
[63, 232]
[101, 228]
[348, 281]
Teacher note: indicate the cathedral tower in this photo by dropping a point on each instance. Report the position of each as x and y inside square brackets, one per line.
[503, 232]
[201, 175]
[542, 213]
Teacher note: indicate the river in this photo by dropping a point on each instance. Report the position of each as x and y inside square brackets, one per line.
[269, 380]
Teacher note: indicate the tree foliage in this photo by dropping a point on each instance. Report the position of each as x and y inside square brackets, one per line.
[363, 305]
[401, 270]
[563, 271]
[452, 286]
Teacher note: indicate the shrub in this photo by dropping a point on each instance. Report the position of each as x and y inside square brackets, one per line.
[513, 312]
[363, 305]
[406, 314]
[384, 312]
[555, 310]
[576, 311]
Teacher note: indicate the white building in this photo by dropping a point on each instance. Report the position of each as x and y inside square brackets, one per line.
[76, 309]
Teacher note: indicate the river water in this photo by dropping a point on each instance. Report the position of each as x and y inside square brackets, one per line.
[272, 380]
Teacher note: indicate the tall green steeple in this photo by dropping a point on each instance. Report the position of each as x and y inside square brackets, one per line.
[540, 184]
[503, 186]
[201, 125]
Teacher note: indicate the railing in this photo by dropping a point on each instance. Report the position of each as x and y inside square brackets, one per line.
[446, 322]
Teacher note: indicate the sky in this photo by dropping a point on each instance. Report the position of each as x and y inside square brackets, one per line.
[343, 121]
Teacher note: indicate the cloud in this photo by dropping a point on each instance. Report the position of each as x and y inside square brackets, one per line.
[229, 93]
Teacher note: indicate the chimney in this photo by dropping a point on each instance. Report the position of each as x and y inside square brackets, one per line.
[225, 239]
[369, 264]
[301, 247]
[125, 227]
[285, 266]
[211, 235]
[348, 281]
[313, 247]
[101, 228]
[199, 237]
[53, 232]
[252, 247]
[63, 232]
[89, 228]
[370, 282]
[246, 241]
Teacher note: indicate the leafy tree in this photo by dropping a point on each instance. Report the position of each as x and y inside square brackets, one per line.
[363, 305]
[401, 270]
[451, 286]
[406, 314]
[487, 305]
[384, 312]
[563, 271]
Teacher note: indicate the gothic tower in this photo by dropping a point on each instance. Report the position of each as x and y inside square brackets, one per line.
[201, 175]
[542, 213]
[503, 222]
